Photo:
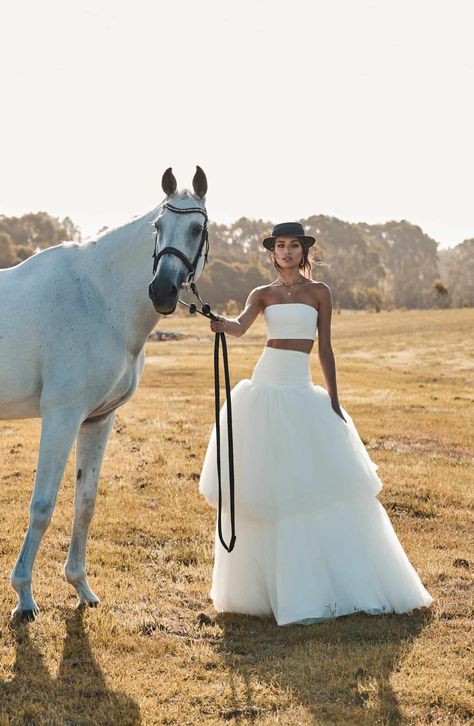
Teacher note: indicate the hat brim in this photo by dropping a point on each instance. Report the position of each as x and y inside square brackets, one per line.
[269, 241]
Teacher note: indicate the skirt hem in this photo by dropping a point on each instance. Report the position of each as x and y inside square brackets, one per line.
[313, 619]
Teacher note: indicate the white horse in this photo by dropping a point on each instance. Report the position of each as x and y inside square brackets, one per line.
[74, 322]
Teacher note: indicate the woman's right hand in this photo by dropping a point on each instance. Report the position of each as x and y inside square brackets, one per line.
[218, 326]
[337, 408]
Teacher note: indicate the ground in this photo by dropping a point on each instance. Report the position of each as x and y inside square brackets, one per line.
[155, 652]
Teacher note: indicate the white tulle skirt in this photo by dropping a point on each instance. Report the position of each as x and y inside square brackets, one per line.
[313, 541]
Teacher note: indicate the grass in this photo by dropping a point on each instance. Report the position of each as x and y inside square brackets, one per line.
[155, 652]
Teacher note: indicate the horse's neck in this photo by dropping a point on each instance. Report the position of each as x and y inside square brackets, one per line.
[122, 265]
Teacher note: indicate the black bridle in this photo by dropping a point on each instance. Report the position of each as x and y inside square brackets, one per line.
[175, 251]
[206, 311]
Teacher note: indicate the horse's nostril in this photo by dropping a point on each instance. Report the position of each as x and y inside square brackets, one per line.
[163, 297]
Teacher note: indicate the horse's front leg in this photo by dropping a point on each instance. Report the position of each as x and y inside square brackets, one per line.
[58, 431]
[91, 442]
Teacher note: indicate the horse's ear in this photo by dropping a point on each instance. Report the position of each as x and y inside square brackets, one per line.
[200, 182]
[168, 182]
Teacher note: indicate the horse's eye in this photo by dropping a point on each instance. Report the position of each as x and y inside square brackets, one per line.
[197, 230]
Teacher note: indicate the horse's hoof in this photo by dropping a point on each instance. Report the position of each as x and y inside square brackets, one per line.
[23, 616]
[83, 604]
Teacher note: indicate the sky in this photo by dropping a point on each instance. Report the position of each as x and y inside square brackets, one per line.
[358, 109]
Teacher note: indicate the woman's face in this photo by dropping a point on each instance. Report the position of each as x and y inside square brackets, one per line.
[288, 252]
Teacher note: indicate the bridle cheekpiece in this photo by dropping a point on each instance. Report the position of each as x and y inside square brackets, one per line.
[204, 243]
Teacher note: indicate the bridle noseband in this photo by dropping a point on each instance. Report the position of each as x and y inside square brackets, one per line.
[174, 250]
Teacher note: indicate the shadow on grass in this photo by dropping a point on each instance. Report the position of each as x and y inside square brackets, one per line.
[79, 694]
[338, 671]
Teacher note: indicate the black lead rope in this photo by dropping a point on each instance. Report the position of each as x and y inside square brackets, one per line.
[221, 336]
[206, 311]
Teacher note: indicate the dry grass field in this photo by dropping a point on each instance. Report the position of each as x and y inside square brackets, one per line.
[147, 655]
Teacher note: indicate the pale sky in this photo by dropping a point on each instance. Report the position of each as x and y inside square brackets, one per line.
[359, 109]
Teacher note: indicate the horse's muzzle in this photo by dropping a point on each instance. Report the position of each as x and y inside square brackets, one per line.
[164, 302]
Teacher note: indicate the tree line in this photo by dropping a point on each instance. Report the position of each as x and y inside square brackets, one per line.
[380, 266]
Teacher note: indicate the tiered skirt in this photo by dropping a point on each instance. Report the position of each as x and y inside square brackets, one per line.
[313, 541]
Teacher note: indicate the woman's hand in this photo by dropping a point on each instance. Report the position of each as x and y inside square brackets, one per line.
[218, 326]
[337, 408]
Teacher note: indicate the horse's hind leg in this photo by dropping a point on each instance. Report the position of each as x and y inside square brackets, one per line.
[91, 442]
[58, 432]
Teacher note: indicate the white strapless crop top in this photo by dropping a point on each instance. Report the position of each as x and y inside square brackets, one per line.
[291, 320]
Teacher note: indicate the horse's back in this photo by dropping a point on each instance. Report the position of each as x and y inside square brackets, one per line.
[26, 294]
[34, 274]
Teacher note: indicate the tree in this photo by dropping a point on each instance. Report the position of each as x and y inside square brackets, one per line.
[7, 252]
[38, 229]
[414, 264]
[461, 274]
[441, 294]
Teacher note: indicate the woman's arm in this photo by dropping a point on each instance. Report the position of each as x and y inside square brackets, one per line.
[238, 326]
[325, 351]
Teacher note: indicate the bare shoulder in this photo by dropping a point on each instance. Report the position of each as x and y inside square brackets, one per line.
[321, 285]
[265, 288]
[323, 293]
[319, 295]
[256, 296]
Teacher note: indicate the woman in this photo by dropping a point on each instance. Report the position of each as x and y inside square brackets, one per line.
[313, 541]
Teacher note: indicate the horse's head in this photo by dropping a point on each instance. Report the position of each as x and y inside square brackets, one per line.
[181, 242]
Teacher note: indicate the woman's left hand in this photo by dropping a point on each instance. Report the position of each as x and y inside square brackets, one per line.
[337, 408]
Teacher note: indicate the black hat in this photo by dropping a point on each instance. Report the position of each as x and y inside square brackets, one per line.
[288, 229]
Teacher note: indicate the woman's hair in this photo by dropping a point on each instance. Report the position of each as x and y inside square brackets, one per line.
[306, 262]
